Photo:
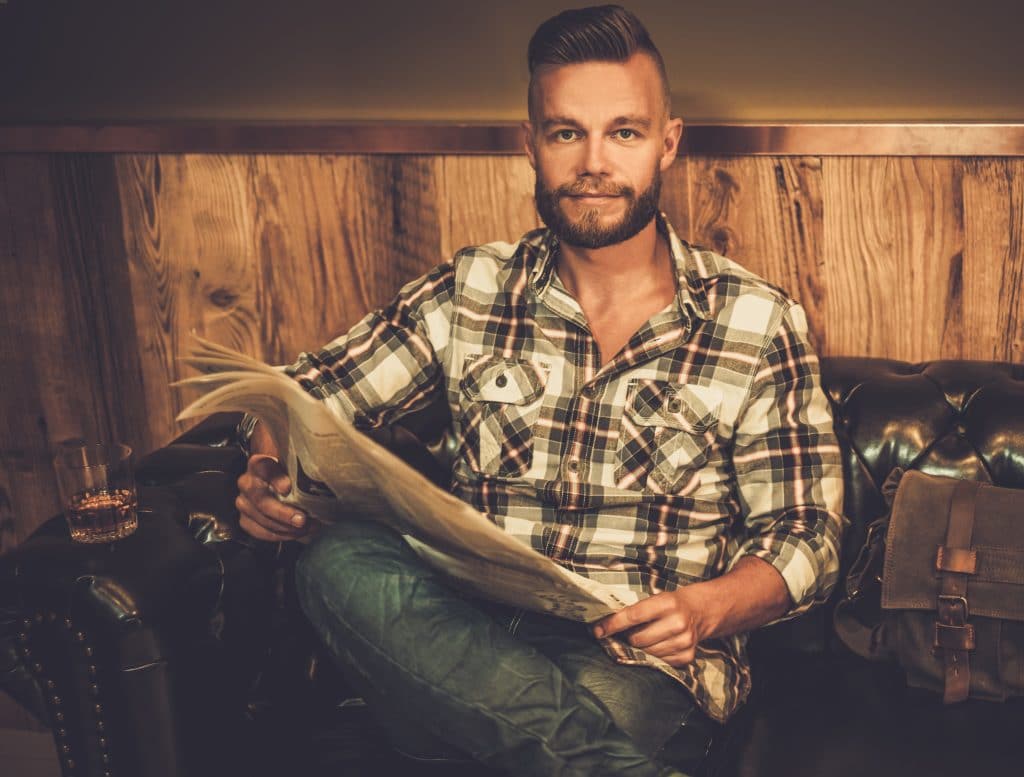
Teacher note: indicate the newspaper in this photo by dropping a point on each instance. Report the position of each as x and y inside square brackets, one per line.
[336, 471]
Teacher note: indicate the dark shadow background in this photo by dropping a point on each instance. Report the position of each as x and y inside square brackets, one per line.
[73, 60]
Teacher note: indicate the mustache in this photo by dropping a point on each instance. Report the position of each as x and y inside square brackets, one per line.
[587, 189]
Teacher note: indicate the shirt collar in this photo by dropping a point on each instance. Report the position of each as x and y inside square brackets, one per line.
[690, 272]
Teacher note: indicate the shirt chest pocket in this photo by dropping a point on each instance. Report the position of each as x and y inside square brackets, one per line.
[501, 401]
[666, 433]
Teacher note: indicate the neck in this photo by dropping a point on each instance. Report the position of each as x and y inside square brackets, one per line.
[637, 262]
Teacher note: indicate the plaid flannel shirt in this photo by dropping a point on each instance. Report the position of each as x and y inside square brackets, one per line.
[706, 438]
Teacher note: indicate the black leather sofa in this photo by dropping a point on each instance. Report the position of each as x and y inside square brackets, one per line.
[180, 651]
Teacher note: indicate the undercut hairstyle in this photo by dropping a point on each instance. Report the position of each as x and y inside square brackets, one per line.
[600, 33]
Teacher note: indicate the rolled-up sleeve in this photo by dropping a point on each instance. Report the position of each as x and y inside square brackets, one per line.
[788, 468]
[390, 363]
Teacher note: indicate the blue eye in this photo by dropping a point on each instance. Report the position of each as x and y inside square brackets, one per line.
[626, 134]
[566, 135]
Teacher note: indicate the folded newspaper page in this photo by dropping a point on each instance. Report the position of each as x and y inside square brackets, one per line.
[338, 473]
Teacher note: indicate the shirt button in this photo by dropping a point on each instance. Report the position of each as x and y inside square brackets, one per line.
[674, 406]
[501, 381]
[573, 465]
[589, 391]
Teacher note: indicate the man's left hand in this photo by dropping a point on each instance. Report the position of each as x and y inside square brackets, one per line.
[668, 625]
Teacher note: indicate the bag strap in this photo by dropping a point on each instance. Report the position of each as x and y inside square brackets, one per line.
[857, 617]
[955, 562]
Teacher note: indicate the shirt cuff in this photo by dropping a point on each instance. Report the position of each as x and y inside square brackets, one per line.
[809, 569]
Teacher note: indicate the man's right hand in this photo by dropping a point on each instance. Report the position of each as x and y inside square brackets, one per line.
[262, 513]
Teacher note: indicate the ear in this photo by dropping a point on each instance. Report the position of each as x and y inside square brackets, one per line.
[673, 134]
[528, 146]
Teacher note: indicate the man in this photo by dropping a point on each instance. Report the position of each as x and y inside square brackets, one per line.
[645, 413]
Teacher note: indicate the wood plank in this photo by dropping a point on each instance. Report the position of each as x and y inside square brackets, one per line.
[990, 324]
[269, 255]
[766, 214]
[675, 197]
[28, 250]
[337, 237]
[893, 235]
[485, 199]
[189, 227]
[98, 291]
[58, 381]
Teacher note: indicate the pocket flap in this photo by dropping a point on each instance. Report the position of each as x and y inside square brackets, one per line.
[674, 405]
[509, 381]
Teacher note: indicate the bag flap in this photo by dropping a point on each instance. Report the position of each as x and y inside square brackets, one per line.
[917, 528]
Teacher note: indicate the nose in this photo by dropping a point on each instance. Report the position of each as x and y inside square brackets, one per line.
[595, 160]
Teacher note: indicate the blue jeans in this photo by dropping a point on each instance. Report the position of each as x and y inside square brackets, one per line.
[528, 693]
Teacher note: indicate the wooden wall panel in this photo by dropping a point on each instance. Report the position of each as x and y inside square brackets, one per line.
[190, 238]
[111, 262]
[765, 212]
[675, 197]
[336, 237]
[28, 254]
[991, 321]
[893, 238]
[500, 207]
[68, 364]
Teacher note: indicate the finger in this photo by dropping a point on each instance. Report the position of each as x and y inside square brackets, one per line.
[271, 506]
[676, 643]
[281, 525]
[252, 484]
[263, 500]
[682, 658]
[672, 627]
[269, 470]
[253, 529]
[633, 615]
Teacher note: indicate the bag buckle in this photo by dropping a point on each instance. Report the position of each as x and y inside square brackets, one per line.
[952, 610]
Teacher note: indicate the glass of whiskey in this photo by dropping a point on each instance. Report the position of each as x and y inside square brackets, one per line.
[97, 491]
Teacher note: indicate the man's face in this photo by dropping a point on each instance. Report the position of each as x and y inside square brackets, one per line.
[599, 141]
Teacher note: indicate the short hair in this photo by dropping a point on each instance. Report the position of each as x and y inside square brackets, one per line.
[599, 33]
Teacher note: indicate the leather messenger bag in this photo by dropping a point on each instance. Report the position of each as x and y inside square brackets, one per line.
[949, 558]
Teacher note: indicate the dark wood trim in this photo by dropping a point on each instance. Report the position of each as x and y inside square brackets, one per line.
[792, 139]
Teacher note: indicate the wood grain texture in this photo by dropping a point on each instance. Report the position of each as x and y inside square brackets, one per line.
[765, 213]
[992, 277]
[337, 237]
[675, 197]
[98, 294]
[893, 235]
[190, 238]
[67, 349]
[484, 199]
[28, 250]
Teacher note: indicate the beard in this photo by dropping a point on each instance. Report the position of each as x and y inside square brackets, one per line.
[587, 231]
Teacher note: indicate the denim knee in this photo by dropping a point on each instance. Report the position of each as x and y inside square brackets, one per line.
[643, 702]
[326, 562]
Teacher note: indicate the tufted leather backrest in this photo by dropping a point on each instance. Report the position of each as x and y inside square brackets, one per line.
[955, 418]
